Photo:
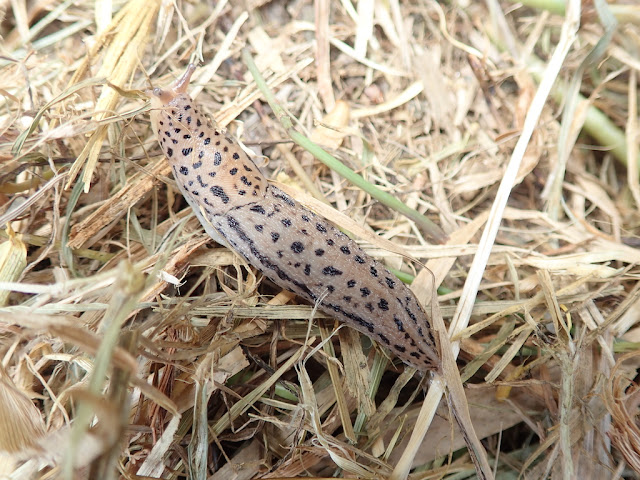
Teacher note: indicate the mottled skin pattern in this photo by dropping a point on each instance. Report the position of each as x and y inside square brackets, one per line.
[292, 246]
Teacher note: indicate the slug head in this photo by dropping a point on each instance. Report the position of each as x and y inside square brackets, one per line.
[210, 167]
[174, 96]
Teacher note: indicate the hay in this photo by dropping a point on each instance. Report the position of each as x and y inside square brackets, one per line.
[132, 344]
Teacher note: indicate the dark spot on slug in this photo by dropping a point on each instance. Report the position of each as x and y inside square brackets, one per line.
[184, 170]
[285, 198]
[359, 259]
[286, 222]
[344, 249]
[332, 271]
[365, 291]
[275, 236]
[217, 159]
[202, 184]
[218, 191]
[319, 252]
[383, 305]
[297, 247]
[233, 171]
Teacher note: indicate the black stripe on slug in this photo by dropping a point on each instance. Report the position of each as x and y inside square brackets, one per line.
[218, 191]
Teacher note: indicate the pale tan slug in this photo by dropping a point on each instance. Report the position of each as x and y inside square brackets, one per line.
[292, 246]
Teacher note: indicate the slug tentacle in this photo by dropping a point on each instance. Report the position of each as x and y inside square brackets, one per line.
[289, 244]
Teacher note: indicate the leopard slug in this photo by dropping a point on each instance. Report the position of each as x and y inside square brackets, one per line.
[292, 246]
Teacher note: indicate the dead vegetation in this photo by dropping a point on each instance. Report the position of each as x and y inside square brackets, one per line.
[513, 129]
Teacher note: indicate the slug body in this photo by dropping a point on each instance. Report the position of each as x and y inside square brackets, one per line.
[292, 246]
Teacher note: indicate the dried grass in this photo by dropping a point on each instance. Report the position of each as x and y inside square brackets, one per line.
[174, 359]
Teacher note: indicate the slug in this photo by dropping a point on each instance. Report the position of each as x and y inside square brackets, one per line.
[292, 246]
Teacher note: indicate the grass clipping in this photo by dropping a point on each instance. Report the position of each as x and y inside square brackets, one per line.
[132, 344]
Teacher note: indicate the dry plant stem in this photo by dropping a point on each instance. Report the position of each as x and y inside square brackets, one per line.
[31, 201]
[293, 162]
[118, 394]
[242, 406]
[13, 261]
[596, 123]
[633, 138]
[572, 116]
[127, 289]
[470, 290]
[337, 383]
[153, 466]
[323, 61]
[121, 57]
[448, 376]
[389, 200]
[222, 54]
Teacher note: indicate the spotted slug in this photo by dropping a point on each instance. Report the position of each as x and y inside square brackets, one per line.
[292, 246]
